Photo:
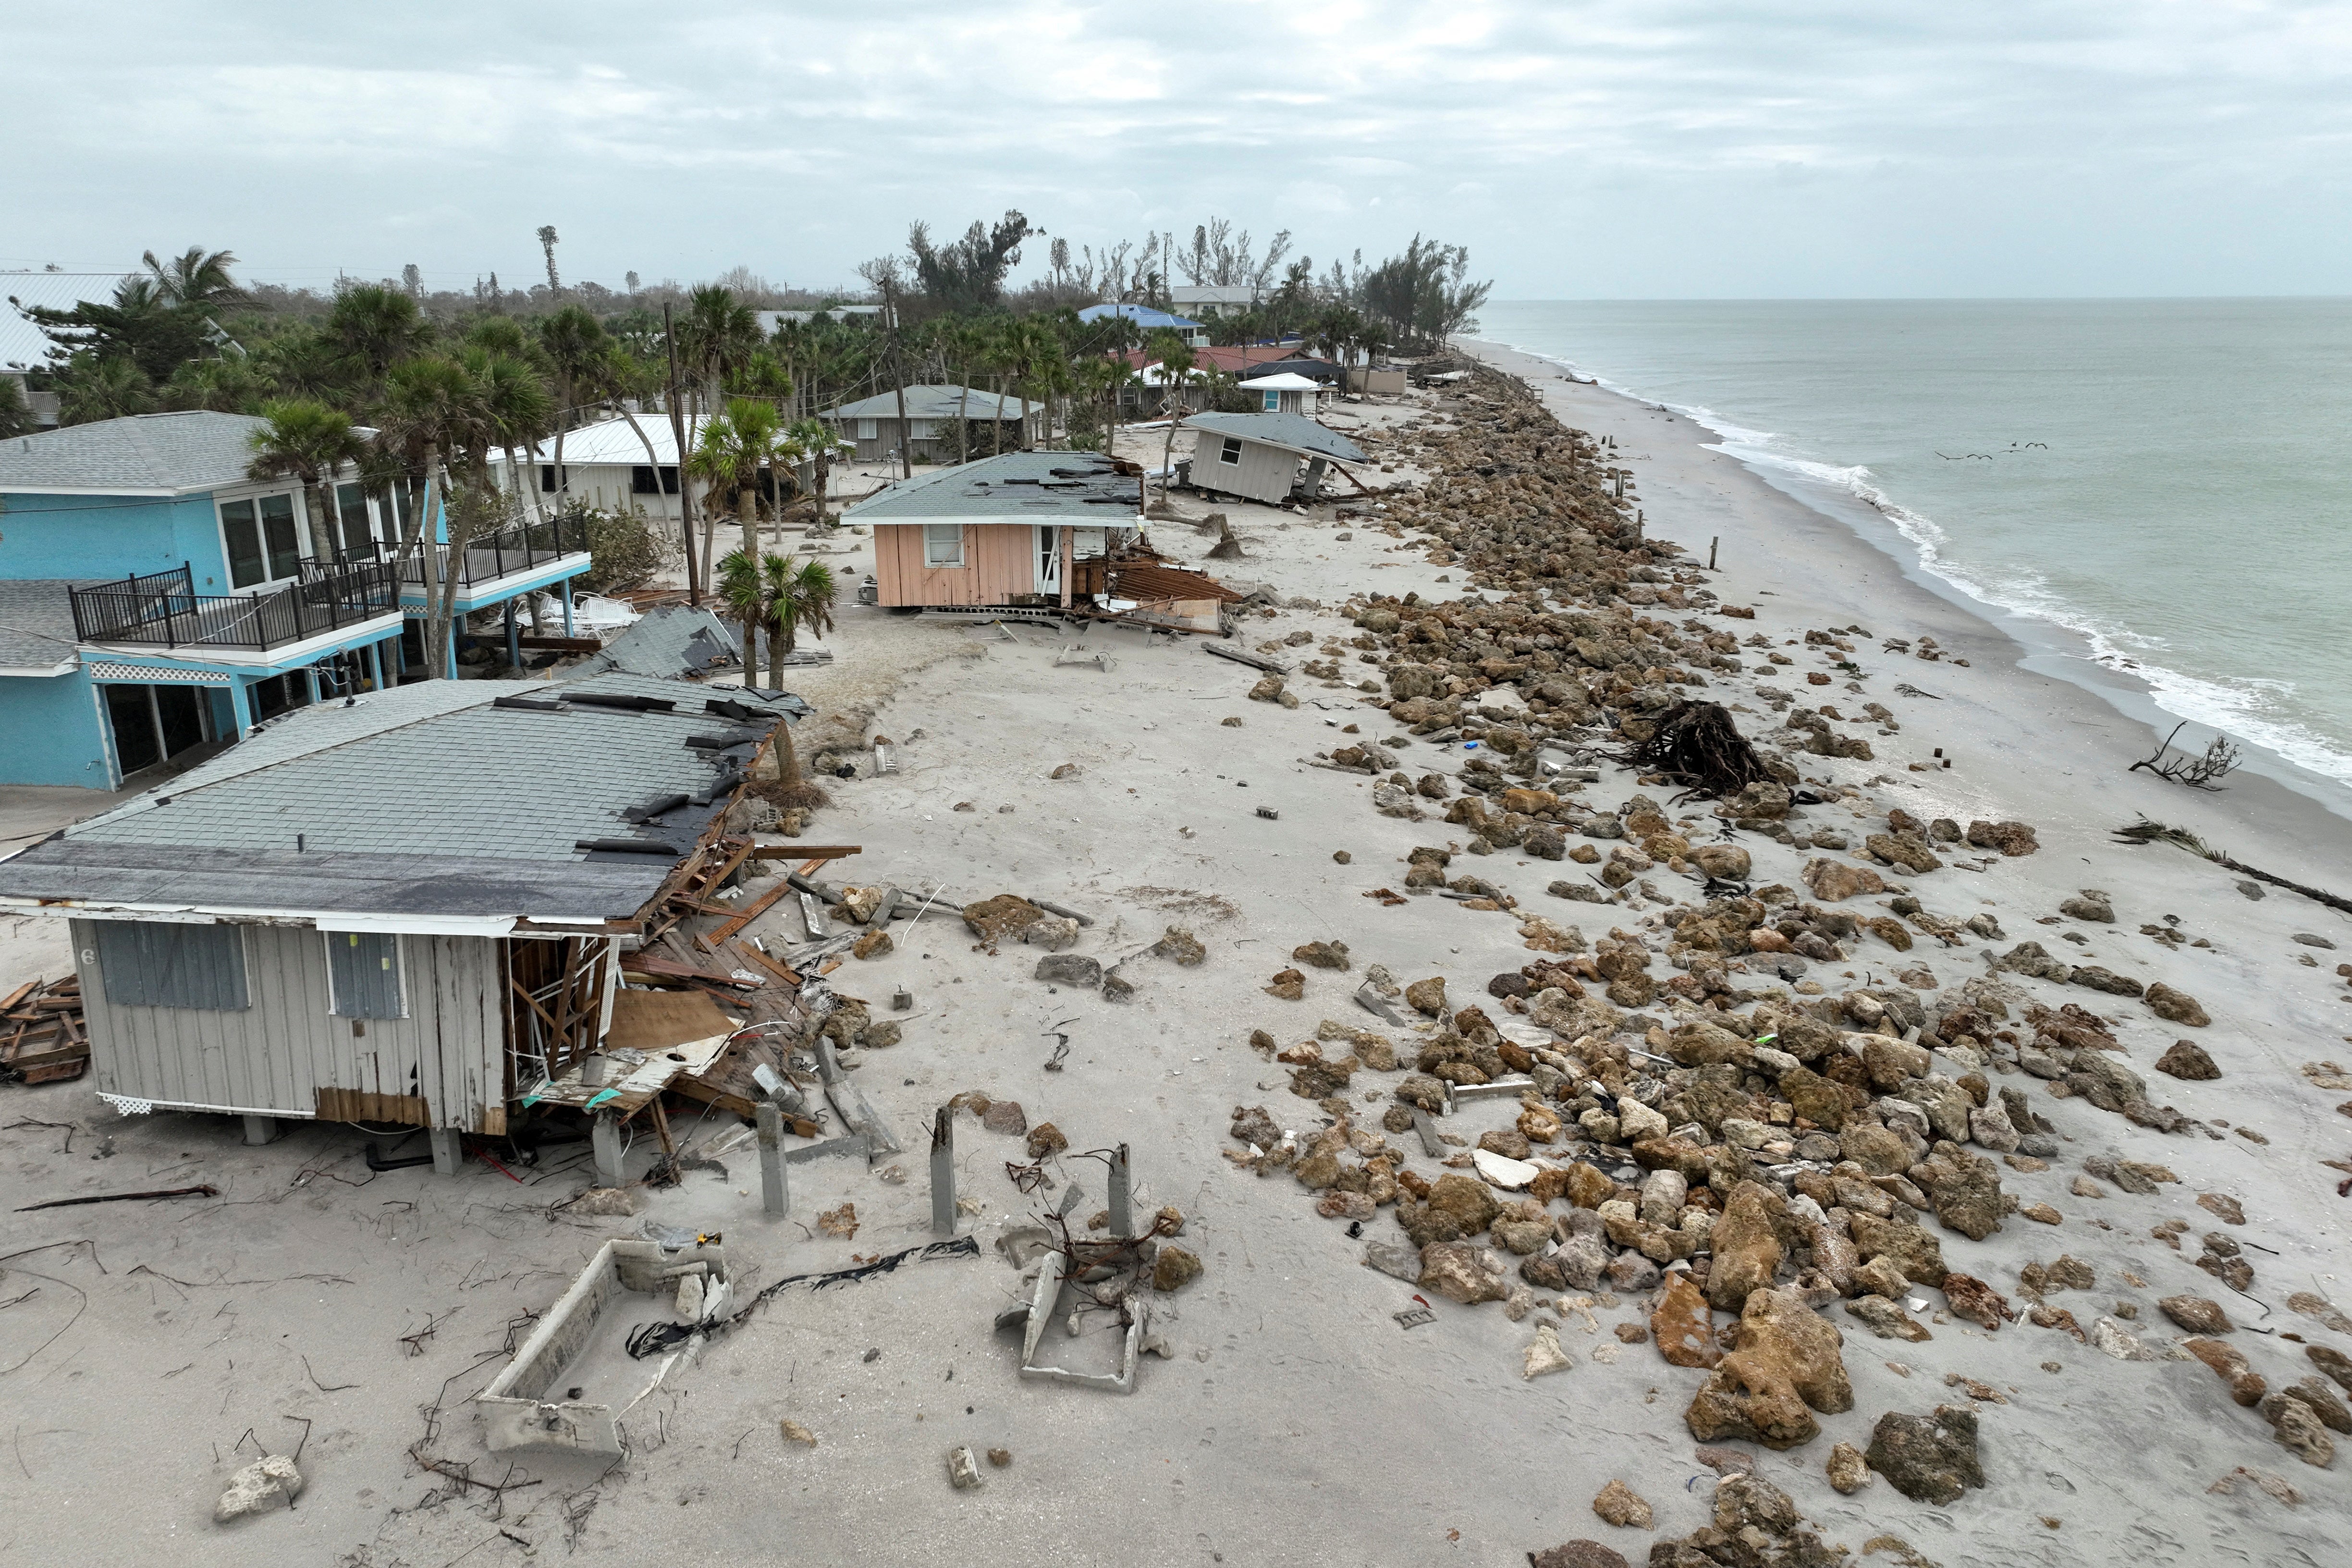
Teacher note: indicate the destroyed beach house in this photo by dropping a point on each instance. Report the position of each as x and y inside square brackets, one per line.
[1258, 457]
[419, 908]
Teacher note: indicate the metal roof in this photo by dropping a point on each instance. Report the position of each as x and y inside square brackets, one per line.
[937, 403]
[611, 441]
[1145, 316]
[666, 642]
[1294, 432]
[424, 800]
[145, 454]
[36, 629]
[1080, 488]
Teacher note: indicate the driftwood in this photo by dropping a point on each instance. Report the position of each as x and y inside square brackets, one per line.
[2146, 832]
[1696, 744]
[2221, 759]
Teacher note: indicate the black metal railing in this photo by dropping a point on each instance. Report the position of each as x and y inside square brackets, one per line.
[163, 610]
[518, 547]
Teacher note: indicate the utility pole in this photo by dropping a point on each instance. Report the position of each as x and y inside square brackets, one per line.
[898, 379]
[678, 434]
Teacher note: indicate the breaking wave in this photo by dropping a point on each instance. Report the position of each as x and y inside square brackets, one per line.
[2244, 707]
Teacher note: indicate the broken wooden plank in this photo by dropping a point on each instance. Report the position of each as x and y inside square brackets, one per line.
[759, 906]
[670, 969]
[806, 852]
[1269, 666]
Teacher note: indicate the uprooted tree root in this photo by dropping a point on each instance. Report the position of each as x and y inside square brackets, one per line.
[1697, 745]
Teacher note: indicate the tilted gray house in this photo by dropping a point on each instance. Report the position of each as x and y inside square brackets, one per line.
[408, 908]
[1257, 456]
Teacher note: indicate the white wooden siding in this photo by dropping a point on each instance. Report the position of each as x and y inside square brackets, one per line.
[275, 1054]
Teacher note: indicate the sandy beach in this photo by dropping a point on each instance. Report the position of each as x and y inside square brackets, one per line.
[147, 1351]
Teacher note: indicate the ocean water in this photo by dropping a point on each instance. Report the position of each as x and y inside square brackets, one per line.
[2169, 480]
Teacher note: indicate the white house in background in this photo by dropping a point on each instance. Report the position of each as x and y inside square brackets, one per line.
[1286, 394]
[930, 432]
[1203, 301]
[606, 464]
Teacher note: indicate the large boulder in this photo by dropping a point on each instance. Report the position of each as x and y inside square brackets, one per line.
[1964, 1187]
[1457, 1270]
[1927, 1459]
[1747, 1245]
[1833, 882]
[1681, 1325]
[1002, 919]
[1787, 1366]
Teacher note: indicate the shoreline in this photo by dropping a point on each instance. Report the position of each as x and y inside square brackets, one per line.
[2049, 645]
[2103, 720]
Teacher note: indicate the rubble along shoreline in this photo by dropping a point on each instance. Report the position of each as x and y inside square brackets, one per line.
[1765, 1132]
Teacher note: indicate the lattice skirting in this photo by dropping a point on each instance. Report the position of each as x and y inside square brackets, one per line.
[148, 674]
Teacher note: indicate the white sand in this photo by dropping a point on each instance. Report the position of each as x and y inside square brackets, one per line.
[1295, 1419]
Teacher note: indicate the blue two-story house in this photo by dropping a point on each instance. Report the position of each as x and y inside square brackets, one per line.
[156, 603]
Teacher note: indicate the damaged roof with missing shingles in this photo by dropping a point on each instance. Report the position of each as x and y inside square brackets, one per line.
[1293, 432]
[424, 800]
[1079, 488]
[666, 642]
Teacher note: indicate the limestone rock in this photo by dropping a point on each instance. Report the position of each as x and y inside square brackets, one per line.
[1427, 996]
[1174, 1267]
[1467, 1200]
[2008, 838]
[1180, 946]
[2174, 1006]
[1833, 882]
[1070, 969]
[1972, 1299]
[2188, 1060]
[2229, 1364]
[1915, 1251]
[1747, 1246]
[1289, 986]
[1683, 1326]
[2333, 1362]
[1046, 1139]
[1965, 1187]
[1620, 1505]
[1884, 1318]
[1394, 1259]
[1543, 1354]
[2296, 1427]
[1456, 1270]
[2111, 1338]
[1787, 1361]
[1577, 1554]
[1321, 954]
[1725, 862]
[1848, 1470]
[268, 1482]
[1927, 1459]
[1000, 918]
[2090, 905]
[2198, 1314]
[1876, 1150]
[873, 944]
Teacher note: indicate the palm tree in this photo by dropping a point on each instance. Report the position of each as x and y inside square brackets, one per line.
[432, 408]
[782, 598]
[1176, 359]
[310, 442]
[814, 441]
[195, 280]
[90, 389]
[374, 327]
[734, 447]
[575, 345]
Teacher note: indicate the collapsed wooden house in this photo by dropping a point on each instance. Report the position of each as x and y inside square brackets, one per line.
[418, 907]
[1258, 455]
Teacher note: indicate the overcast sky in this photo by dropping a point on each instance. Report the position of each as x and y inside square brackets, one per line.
[1611, 148]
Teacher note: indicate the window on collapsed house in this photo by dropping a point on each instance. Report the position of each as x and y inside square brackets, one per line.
[1232, 451]
[156, 963]
[943, 544]
[363, 974]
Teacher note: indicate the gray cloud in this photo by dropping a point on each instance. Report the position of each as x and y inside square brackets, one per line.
[1605, 148]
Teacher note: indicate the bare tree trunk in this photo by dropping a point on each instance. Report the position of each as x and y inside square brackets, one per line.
[319, 498]
[653, 465]
[746, 500]
[685, 490]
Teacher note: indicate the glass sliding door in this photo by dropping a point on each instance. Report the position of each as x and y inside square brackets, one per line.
[243, 534]
[280, 536]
